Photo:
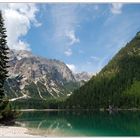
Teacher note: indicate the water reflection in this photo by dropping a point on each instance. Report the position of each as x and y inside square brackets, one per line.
[82, 123]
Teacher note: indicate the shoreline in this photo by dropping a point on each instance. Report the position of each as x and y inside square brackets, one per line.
[101, 109]
[14, 131]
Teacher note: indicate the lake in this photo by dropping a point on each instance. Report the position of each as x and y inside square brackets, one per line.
[81, 123]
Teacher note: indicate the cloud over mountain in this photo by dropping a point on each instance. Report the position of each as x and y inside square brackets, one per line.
[18, 19]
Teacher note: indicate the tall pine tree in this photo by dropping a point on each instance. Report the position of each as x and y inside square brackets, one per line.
[3, 56]
[7, 115]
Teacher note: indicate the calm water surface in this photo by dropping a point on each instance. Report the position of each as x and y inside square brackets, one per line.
[69, 124]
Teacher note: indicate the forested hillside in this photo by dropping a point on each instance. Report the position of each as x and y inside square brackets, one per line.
[117, 84]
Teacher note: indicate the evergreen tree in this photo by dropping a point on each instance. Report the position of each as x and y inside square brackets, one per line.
[3, 56]
[7, 115]
[116, 85]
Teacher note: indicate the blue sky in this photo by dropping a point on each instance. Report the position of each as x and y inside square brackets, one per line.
[84, 36]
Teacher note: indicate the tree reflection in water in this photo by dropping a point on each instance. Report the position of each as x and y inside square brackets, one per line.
[83, 123]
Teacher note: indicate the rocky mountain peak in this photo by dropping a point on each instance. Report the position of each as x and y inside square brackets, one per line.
[33, 67]
[36, 77]
[83, 76]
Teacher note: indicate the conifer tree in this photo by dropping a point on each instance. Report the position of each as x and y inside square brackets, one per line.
[3, 56]
[7, 115]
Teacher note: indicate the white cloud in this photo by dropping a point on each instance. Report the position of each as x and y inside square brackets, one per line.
[68, 52]
[72, 67]
[18, 19]
[72, 37]
[65, 21]
[95, 58]
[116, 8]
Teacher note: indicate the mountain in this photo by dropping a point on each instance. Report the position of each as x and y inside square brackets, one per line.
[35, 77]
[85, 76]
[117, 84]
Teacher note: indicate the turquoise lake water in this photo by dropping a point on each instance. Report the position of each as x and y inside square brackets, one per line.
[81, 123]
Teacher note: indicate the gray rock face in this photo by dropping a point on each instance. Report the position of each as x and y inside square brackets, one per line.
[23, 62]
[83, 76]
[32, 76]
[37, 77]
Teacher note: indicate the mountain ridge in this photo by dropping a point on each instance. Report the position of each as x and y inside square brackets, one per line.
[32, 76]
[111, 86]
